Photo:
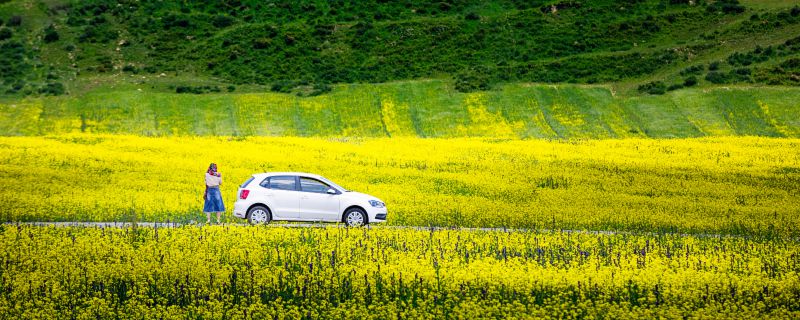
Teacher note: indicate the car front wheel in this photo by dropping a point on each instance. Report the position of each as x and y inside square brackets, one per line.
[259, 215]
[355, 217]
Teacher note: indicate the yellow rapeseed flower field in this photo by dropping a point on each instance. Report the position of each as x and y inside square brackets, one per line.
[239, 272]
[731, 185]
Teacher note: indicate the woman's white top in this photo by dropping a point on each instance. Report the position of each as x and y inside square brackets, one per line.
[213, 181]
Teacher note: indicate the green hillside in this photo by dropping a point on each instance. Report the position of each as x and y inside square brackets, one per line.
[416, 108]
[651, 46]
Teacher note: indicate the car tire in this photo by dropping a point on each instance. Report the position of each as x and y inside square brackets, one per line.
[259, 215]
[355, 217]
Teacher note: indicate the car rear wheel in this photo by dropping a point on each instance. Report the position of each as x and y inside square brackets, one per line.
[355, 217]
[259, 215]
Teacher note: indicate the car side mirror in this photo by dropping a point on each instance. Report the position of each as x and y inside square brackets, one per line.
[331, 191]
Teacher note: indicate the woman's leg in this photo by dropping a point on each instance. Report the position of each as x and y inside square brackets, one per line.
[208, 217]
[218, 215]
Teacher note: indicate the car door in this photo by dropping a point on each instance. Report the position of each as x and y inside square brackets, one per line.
[316, 203]
[283, 197]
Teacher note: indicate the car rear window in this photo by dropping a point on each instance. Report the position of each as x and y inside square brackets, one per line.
[280, 183]
[247, 182]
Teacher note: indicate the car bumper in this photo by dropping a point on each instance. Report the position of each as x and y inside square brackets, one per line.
[240, 210]
[377, 214]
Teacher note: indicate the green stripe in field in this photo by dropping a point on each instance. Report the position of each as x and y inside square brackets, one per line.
[417, 108]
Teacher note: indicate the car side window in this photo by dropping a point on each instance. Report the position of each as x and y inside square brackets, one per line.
[313, 185]
[280, 183]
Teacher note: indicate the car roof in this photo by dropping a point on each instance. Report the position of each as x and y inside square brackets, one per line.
[302, 174]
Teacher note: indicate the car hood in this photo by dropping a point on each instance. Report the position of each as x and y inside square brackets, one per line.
[360, 196]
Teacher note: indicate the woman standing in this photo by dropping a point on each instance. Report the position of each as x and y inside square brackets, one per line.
[212, 196]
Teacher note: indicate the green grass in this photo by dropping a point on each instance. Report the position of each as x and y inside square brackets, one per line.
[620, 44]
[428, 108]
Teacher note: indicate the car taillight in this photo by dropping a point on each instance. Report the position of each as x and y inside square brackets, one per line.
[243, 194]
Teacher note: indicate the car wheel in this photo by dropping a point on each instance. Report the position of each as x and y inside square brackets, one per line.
[355, 217]
[259, 215]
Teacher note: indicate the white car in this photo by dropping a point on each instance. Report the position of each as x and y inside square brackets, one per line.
[297, 196]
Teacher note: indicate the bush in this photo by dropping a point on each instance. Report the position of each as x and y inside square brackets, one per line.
[714, 66]
[231, 88]
[222, 21]
[473, 79]
[320, 88]
[726, 7]
[5, 33]
[690, 81]
[675, 87]
[14, 21]
[197, 89]
[655, 87]
[97, 34]
[50, 34]
[283, 86]
[130, 68]
[693, 70]
[472, 16]
[52, 89]
[717, 77]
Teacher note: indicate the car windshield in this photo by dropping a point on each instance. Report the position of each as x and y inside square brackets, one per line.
[333, 184]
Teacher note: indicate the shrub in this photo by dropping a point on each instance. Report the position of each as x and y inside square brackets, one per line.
[690, 81]
[472, 79]
[472, 16]
[284, 86]
[693, 70]
[5, 33]
[675, 87]
[231, 88]
[50, 34]
[196, 89]
[714, 66]
[14, 21]
[52, 89]
[717, 77]
[222, 21]
[130, 68]
[320, 88]
[726, 7]
[655, 87]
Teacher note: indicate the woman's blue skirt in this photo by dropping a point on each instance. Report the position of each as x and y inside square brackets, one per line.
[213, 201]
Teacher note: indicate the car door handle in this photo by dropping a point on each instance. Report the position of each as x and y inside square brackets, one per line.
[269, 194]
[303, 197]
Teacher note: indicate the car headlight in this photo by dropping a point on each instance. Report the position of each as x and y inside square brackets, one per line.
[377, 204]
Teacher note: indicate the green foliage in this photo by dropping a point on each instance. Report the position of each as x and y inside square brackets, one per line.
[297, 45]
[693, 70]
[786, 73]
[690, 81]
[52, 89]
[717, 77]
[197, 89]
[50, 34]
[473, 79]
[14, 21]
[656, 87]
[5, 33]
[726, 7]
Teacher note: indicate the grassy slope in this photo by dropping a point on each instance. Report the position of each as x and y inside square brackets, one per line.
[512, 35]
[416, 108]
